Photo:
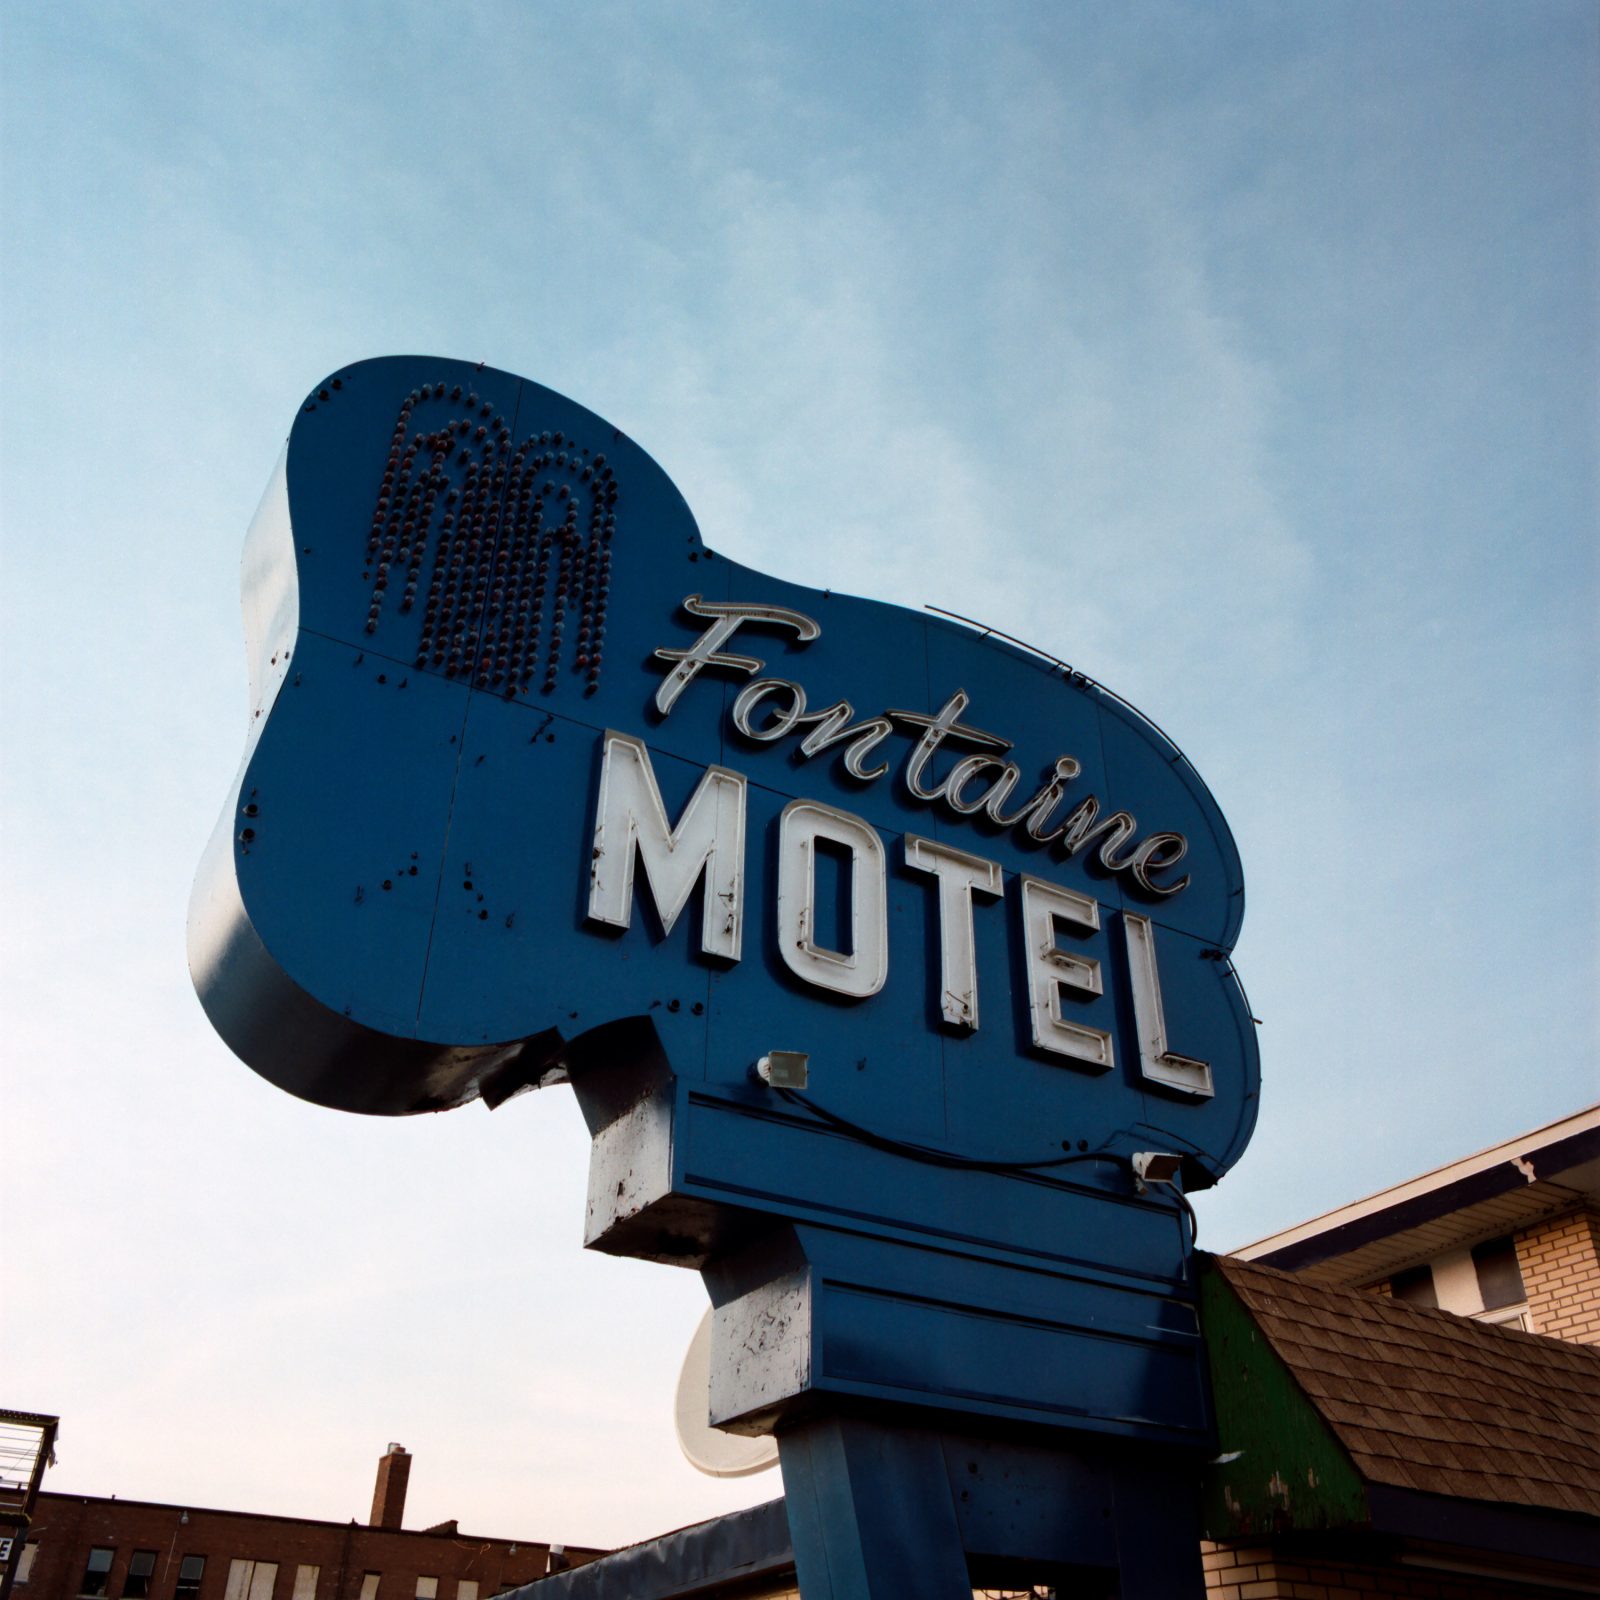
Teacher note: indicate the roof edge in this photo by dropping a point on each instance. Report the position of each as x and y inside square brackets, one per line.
[67, 1496]
[1532, 1533]
[1570, 1139]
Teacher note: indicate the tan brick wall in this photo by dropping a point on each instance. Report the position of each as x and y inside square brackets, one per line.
[1253, 1572]
[1560, 1261]
[1229, 1567]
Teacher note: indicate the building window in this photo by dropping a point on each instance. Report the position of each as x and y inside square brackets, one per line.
[467, 1589]
[141, 1565]
[1484, 1282]
[251, 1580]
[427, 1589]
[190, 1572]
[24, 1556]
[1510, 1317]
[1415, 1287]
[1499, 1276]
[305, 1582]
[97, 1572]
[369, 1587]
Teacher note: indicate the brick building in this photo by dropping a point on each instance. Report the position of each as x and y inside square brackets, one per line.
[110, 1549]
[1509, 1235]
[1372, 1446]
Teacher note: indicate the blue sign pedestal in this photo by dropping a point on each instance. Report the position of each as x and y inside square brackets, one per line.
[879, 1509]
[1005, 1379]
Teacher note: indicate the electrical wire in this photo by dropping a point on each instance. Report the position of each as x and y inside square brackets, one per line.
[1188, 1211]
[929, 1155]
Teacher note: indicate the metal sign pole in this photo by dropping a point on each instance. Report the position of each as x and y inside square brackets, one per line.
[878, 1509]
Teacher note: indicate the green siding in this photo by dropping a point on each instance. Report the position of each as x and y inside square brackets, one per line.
[1290, 1472]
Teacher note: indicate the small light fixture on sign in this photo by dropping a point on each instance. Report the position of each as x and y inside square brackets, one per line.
[783, 1069]
[1155, 1166]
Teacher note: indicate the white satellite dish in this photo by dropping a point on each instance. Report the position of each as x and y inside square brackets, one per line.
[707, 1449]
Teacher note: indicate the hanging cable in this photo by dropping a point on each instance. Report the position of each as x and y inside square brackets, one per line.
[931, 1156]
[1188, 1211]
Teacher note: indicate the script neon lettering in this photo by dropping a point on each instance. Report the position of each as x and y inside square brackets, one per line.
[771, 709]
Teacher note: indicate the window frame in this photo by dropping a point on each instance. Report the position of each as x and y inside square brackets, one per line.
[142, 1592]
[104, 1573]
[185, 1587]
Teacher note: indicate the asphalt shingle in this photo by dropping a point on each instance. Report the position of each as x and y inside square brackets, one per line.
[1428, 1400]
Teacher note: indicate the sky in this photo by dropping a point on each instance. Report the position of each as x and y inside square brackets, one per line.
[1243, 355]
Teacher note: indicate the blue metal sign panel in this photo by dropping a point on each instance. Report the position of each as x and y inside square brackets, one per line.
[536, 785]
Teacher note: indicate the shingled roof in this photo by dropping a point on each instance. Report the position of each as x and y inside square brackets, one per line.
[1428, 1401]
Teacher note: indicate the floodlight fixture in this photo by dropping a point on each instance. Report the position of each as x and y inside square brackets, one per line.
[783, 1069]
[1155, 1166]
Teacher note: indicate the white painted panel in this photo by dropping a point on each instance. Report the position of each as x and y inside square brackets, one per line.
[305, 1582]
[239, 1574]
[1455, 1282]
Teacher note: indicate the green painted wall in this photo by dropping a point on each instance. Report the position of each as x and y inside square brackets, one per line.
[1290, 1472]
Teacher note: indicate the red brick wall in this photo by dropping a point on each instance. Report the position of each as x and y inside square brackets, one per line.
[65, 1527]
[389, 1495]
[1560, 1262]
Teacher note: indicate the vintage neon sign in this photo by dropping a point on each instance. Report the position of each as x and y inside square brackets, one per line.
[708, 842]
[537, 787]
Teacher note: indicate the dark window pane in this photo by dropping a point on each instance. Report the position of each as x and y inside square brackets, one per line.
[189, 1576]
[96, 1572]
[140, 1565]
[1499, 1276]
[1414, 1286]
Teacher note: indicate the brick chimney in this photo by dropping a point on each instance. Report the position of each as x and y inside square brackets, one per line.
[389, 1495]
